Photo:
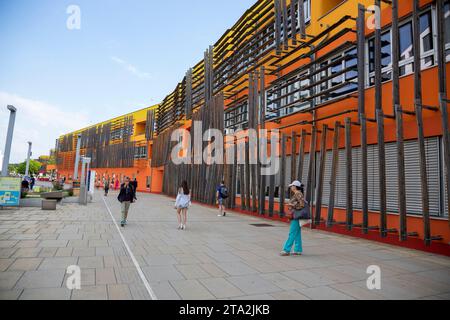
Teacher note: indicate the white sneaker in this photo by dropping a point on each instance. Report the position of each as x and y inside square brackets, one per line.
[183, 227]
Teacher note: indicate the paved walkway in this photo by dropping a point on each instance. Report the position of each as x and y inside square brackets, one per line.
[215, 258]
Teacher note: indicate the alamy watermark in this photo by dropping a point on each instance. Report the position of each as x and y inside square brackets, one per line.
[212, 147]
[374, 280]
[74, 19]
[374, 20]
[74, 280]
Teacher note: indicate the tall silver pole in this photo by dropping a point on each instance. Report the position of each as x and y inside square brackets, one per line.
[82, 198]
[27, 169]
[77, 158]
[9, 137]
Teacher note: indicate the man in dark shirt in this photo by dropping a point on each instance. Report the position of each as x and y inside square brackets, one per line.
[126, 198]
[135, 184]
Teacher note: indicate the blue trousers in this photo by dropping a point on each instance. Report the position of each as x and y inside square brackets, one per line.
[295, 237]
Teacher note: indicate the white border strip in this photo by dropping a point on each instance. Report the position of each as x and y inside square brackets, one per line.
[136, 264]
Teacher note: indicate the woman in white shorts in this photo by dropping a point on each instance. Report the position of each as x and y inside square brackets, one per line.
[182, 204]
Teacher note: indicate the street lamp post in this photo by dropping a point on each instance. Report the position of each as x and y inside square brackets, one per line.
[27, 169]
[9, 137]
[77, 158]
[85, 162]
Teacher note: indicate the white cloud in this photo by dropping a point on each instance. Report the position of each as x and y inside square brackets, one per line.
[36, 121]
[131, 68]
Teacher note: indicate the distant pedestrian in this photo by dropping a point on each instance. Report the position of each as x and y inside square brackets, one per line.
[296, 204]
[126, 198]
[25, 185]
[116, 184]
[135, 184]
[32, 182]
[182, 204]
[106, 186]
[222, 194]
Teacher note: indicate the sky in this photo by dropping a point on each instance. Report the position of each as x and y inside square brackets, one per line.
[125, 55]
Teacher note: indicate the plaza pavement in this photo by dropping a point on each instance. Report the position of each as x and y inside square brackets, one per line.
[215, 258]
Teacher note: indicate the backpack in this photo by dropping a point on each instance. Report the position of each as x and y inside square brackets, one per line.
[224, 192]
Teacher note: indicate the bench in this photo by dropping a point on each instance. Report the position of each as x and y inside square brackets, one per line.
[55, 195]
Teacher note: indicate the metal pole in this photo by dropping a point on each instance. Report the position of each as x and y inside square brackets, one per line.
[9, 137]
[27, 168]
[77, 158]
[82, 199]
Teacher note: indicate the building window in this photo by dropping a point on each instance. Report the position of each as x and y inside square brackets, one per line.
[289, 98]
[140, 153]
[345, 67]
[307, 10]
[406, 59]
[237, 117]
[386, 61]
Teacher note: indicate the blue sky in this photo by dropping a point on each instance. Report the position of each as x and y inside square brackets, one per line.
[127, 55]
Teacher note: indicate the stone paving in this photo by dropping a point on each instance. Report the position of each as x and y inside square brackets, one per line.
[215, 258]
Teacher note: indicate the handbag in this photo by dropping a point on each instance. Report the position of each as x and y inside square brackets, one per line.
[303, 214]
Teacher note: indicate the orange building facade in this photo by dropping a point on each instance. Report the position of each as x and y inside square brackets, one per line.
[300, 67]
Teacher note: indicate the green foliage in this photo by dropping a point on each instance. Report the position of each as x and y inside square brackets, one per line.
[13, 168]
[34, 167]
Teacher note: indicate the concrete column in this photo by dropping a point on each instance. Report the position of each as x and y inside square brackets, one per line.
[9, 137]
[27, 169]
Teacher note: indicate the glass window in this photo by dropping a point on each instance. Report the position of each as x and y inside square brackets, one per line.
[426, 40]
[406, 41]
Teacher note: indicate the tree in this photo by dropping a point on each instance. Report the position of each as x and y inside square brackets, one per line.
[34, 167]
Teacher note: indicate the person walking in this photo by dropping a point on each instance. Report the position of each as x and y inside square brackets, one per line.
[116, 183]
[221, 194]
[182, 203]
[296, 203]
[135, 184]
[32, 182]
[126, 198]
[106, 186]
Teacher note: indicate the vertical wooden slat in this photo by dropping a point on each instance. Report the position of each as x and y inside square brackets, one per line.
[364, 173]
[294, 22]
[349, 173]
[442, 78]
[312, 162]
[301, 156]
[418, 109]
[247, 178]
[301, 13]
[277, 26]
[285, 24]
[293, 156]
[262, 110]
[271, 192]
[321, 174]
[401, 180]
[334, 172]
[282, 187]
[361, 58]
[382, 173]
